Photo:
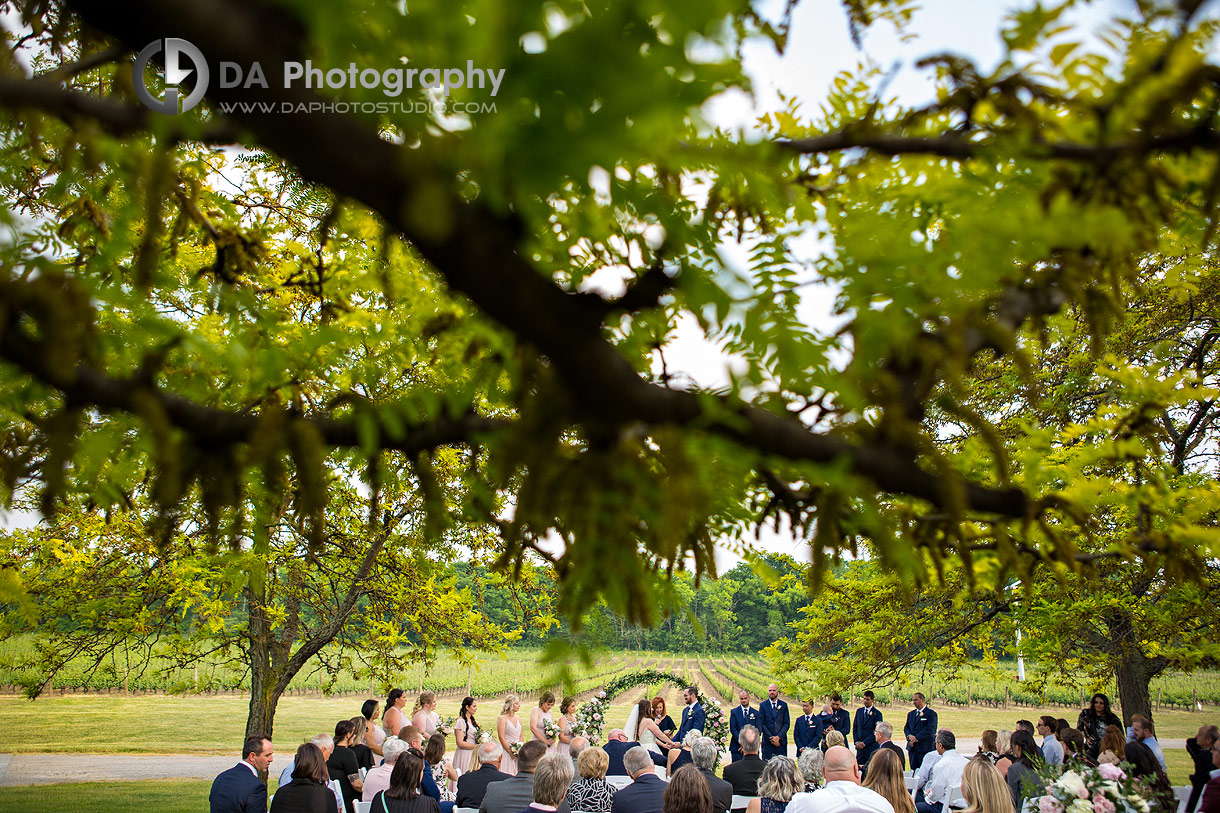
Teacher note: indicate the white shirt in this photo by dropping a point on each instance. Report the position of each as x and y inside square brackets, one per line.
[840, 796]
[1052, 751]
[925, 769]
[946, 774]
[254, 770]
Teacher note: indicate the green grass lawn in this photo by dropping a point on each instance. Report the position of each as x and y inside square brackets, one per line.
[161, 795]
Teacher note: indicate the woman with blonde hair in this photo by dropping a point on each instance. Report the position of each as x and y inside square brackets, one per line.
[834, 738]
[779, 782]
[508, 731]
[1003, 747]
[885, 777]
[984, 788]
[424, 716]
[590, 791]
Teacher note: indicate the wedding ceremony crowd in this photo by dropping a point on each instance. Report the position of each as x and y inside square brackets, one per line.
[389, 760]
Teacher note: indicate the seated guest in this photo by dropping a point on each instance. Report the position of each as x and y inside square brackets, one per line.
[984, 788]
[743, 774]
[514, 794]
[843, 792]
[1146, 733]
[378, 779]
[644, 794]
[307, 790]
[590, 791]
[1112, 746]
[323, 741]
[442, 772]
[1022, 776]
[810, 762]
[885, 777]
[1199, 748]
[1075, 752]
[1026, 725]
[704, 752]
[1052, 751]
[241, 788]
[686, 793]
[946, 773]
[404, 795]
[1209, 802]
[835, 737]
[1144, 766]
[472, 786]
[1003, 746]
[885, 739]
[552, 778]
[617, 745]
[779, 782]
[364, 754]
[342, 764]
[988, 747]
[680, 755]
[575, 748]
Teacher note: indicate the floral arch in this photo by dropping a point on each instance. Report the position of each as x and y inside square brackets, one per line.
[591, 716]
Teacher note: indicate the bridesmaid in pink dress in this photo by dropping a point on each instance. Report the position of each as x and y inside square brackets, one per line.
[508, 729]
[424, 717]
[465, 735]
[567, 716]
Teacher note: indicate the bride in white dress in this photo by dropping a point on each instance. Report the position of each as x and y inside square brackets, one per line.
[643, 729]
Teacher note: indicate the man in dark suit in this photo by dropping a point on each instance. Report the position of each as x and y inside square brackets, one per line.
[864, 731]
[646, 790]
[517, 792]
[883, 733]
[241, 788]
[703, 753]
[693, 715]
[837, 719]
[774, 722]
[472, 785]
[551, 780]
[616, 748]
[739, 718]
[743, 774]
[920, 731]
[807, 729]
[1200, 749]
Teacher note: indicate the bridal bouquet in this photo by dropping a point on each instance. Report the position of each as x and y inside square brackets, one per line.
[550, 729]
[591, 718]
[446, 725]
[514, 748]
[484, 736]
[1104, 789]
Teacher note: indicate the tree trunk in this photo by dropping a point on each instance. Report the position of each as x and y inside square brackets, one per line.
[1133, 693]
[264, 697]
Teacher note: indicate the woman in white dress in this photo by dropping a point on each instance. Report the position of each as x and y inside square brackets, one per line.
[643, 729]
[542, 712]
[374, 735]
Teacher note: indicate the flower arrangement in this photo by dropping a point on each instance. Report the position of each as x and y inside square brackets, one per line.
[1083, 789]
[717, 726]
[484, 736]
[591, 718]
[514, 748]
[550, 729]
[446, 725]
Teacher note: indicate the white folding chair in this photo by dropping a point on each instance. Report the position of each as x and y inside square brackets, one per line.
[1182, 794]
[954, 795]
[740, 802]
[465, 810]
[361, 807]
[908, 774]
[618, 782]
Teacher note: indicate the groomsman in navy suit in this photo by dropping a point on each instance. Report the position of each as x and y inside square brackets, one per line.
[773, 719]
[837, 719]
[693, 716]
[807, 729]
[739, 718]
[864, 731]
[920, 730]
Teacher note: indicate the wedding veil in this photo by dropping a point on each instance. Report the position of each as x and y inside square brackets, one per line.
[633, 722]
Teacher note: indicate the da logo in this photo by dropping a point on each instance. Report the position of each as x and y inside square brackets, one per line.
[177, 52]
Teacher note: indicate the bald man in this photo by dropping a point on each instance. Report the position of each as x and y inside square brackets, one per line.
[842, 793]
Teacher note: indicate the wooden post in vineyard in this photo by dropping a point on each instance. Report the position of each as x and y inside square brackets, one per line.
[1158, 698]
[1005, 698]
[514, 688]
[468, 669]
[421, 683]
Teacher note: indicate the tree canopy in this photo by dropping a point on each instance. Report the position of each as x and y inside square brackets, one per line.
[219, 334]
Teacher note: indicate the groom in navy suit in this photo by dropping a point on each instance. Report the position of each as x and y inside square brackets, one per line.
[773, 717]
[693, 716]
[739, 718]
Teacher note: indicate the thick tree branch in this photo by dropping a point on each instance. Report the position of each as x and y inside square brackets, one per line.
[347, 155]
